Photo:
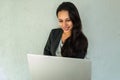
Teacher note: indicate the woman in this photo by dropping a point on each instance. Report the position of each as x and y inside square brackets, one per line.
[68, 40]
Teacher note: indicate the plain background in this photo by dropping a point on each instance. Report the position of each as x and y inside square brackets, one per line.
[25, 26]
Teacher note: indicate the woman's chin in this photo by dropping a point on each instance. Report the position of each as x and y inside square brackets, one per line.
[66, 31]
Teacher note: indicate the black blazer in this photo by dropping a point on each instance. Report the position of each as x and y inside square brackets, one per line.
[53, 42]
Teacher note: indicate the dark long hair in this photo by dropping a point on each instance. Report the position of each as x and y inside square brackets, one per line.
[76, 45]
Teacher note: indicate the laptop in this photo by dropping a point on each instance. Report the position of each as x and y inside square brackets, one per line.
[58, 68]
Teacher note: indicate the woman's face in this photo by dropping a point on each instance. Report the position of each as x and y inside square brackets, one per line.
[64, 21]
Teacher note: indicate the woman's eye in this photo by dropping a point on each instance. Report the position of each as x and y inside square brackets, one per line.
[60, 21]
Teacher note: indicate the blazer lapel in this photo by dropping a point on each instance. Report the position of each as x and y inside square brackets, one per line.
[56, 42]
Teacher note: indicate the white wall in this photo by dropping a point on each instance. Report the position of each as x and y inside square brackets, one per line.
[25, 26]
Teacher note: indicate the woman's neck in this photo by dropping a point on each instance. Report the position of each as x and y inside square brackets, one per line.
[65, 36]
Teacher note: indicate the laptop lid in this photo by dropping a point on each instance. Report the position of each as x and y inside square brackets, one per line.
[58, 68]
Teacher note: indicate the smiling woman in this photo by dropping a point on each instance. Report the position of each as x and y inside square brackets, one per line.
[68, 40]
[65, 23]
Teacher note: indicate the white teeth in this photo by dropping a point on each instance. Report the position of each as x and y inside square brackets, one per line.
[66, 28]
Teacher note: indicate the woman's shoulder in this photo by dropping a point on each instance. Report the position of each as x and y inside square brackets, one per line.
[55, 33]
[56, 30]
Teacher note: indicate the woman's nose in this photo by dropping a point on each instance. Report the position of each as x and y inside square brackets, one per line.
[64, 24]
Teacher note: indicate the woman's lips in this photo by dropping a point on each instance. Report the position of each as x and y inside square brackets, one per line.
[66, 28]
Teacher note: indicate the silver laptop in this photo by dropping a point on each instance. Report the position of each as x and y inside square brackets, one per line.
[58, 68]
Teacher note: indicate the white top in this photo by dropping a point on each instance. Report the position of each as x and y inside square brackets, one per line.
[58, 51]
